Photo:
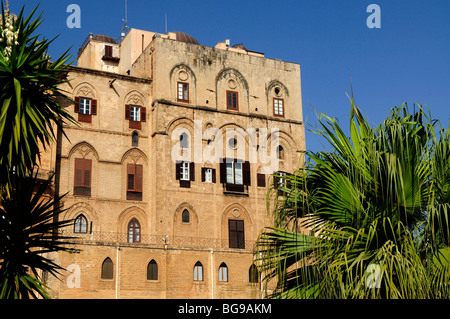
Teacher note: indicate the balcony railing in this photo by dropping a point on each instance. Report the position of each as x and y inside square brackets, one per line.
[152, 240]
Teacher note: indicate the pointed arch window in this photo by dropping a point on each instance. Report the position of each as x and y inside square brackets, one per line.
[253, 274]
[185, 218]
[135, 139]
[134, 231]
[198, 271]
[80, 225]
[107, 269]
[152, 270]
[223, 272]
[280, 152]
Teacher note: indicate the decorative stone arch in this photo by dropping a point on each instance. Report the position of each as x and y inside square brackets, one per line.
[83, 149]
[230, 79]
[127, 215]
[286, 141]
[135, 156]
[87, 210]
[185, 229]
[238, 212]
[183, 73]
[134, 97]
[233, 130]
[85, 89]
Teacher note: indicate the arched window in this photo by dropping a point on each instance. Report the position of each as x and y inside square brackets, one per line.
[280, 152]
[152, 270]
[198, 271]
[135, 139]
[223, 272]
[107, 269]
[185, 216]
[134, 231]
[184, 140]
[253, 274]
[80, 225]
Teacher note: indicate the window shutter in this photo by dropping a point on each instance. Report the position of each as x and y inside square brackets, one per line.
[223, 171]
[192, 171]
[87, 172]
[246, 173]
[131, 177]
[78, 172]
[77, 104]
[93, 107]
[127, 111]
[177, 171]
[213, 175]
[261, 179]
[143, 114]
[203, 174]
[139, 177]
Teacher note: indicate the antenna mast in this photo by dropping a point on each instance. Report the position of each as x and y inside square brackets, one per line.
[125, 27]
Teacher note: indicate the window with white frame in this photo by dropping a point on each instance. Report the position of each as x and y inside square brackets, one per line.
[85, 106]
[135, 113]
[234, 173]
[208, 175]
[184, 171]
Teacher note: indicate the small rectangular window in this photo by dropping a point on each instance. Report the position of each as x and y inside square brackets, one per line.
[184, 171]
[278, 107]
[236, 234]
[183, 92]
[135, 113]
[232, 100]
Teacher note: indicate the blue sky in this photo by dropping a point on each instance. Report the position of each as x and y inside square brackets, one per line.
[406, 60]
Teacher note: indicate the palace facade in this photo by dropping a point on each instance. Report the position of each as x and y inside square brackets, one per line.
[162, 181]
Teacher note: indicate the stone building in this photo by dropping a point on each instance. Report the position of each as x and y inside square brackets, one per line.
[155, 214]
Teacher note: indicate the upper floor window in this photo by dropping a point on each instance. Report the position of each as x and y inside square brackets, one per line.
[82, 183]
[236, 235]
[134, 181]
[235, 174]
[136, 114]
[134, 231]
[185, 173]
[185, 218]
[278, 107]
[85, 107]
[80, 225]
[183, 92]
[184, 143]
[135, 139]
[232, 100]
[208, 175]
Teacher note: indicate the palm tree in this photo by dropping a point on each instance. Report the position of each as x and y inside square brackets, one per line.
[28, 232]
[30, 111]
[368, 219]
[30, 95]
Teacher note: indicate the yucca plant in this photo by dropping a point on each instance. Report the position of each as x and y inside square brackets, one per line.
[28, 232]
[373, 211]
[30, 94]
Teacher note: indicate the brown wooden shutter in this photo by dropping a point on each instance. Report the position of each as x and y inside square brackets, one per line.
[192, 171]
[143, 114]
[213, 175]
[77, 104]
[78, 172]
[127, 111]
[246, 173]
[223, 171]
[203, 174]
[87, 172]
[261, 180]
[139, 178]
[93, 107]
[236, 235]
[131, 177]
[177, 171]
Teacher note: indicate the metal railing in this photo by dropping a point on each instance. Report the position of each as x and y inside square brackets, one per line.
[152, 240]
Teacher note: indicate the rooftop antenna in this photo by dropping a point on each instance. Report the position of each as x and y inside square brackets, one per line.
[125, 22]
